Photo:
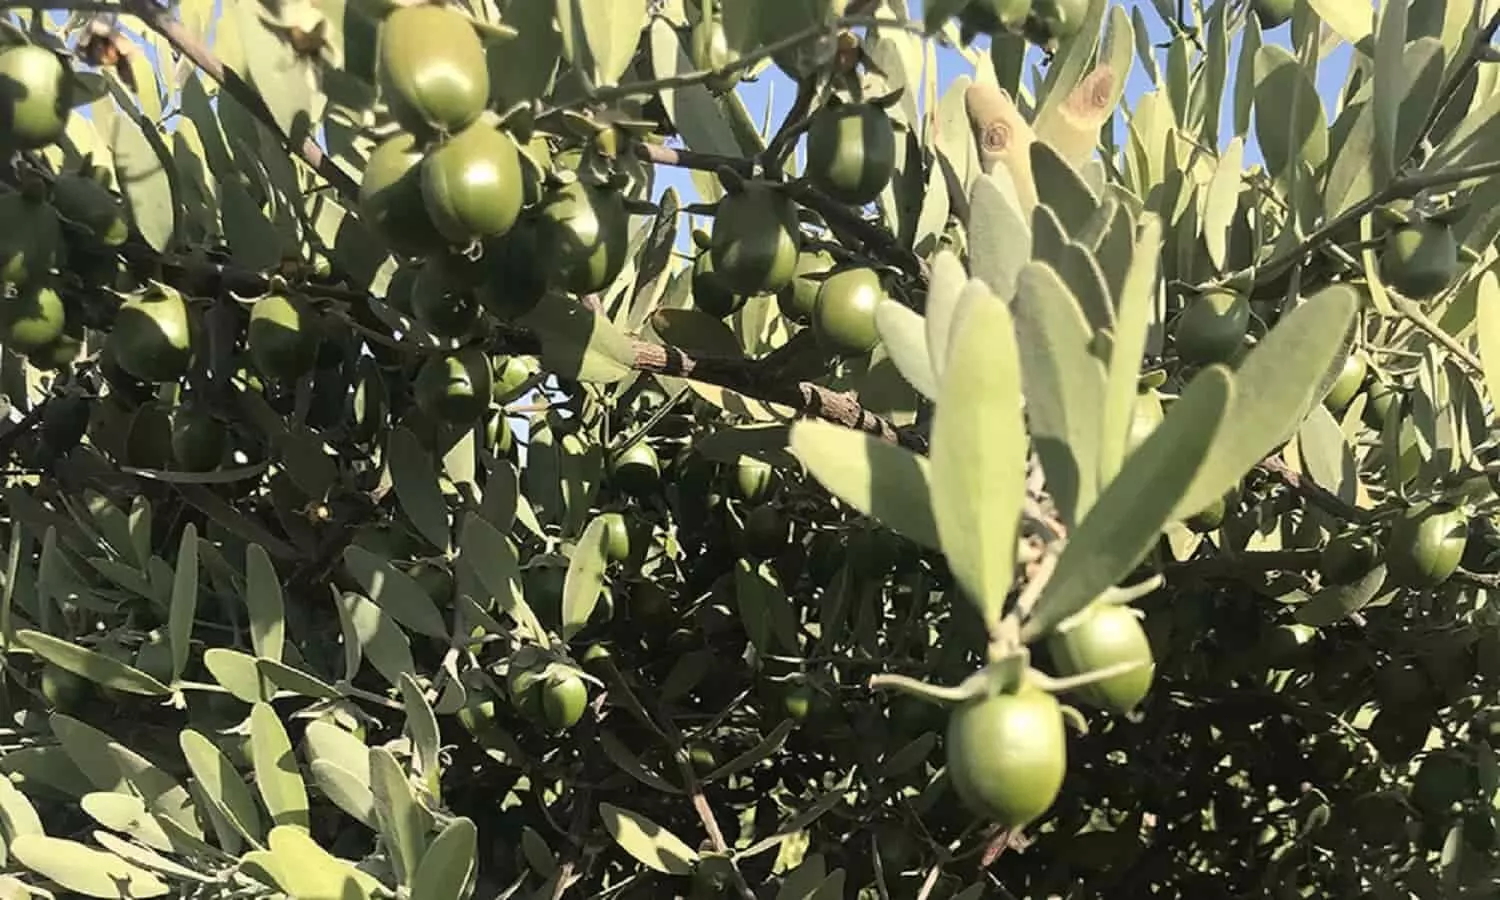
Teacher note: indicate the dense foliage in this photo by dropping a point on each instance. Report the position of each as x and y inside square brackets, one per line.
[990, 488]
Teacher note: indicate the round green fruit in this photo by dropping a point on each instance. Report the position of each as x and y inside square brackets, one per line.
[1348, 558]
[198, 440]
[799, 701]
[1381, 398]
[63, 689]
[586, 229]
[844, 317]
[282, 339]
[1420, 259]
[524, 687]
[516, 271]
[1426, 544]
[616, 537]
[994, 16]
[1007, 755]
[454, 387]
[30, 239]
[1346, 386]
[1051, 22]
[765, 532]
[799, 298]
[851, 152]
[65, 421]
[152, 337]
[447, 310]
[87, 203]
[390, 197]
[1212, 329]
[33, 319]
[432, 69]
[710, 294]
[637, 471]
[1274, 13]
[755, 240]
[753, 479]
[1108, 635]
[472, 185]
[564, 699]
[36, 96]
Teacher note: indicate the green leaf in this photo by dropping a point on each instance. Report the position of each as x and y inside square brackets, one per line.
[162, 793]
[600, 36]
[764, 750]
[1326, 456]
[347, 791]
[767, 614]
[327, 742]
[523, 69]
[376, 635]
[184, 600]
[492, 559]
[238, 673]
[276, 775]
[691, 108]
[626, 761]
[296, 681]
[144, 172]
[404, 822]
[884, 481]
[696, 331]
[1222, 202]
[39, 769]
[979, 453]
[414, 477]
[280, 74]
[308, 872]
[585, 578]
[402, 597]
[17, 815]
[1389, 78]
[578, 343]
[1064, 384]
[264, 601]
[223, 786]
[88, 747]
[105, 671]
[1350, 21]
[422, 729]
[1337, 602]
[1488, 325]
[1290, 123]
[999, 239]
[652, 845]
[1276, 385]
[1133, 326]
[1130, 514]
[448, 863]
[903, 335]
[84, 870]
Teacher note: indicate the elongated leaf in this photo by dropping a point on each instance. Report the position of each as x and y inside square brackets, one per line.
[238, 673]
[184, 599]
[579, 343]
[881, 480]
[263, 598]
[347, 791]
[377, 637]
[84, 870]
[1133, 325]
[1132, 511]
[600, 36]
[17, 815]
[652, 845]
[404, 822]
[414, 477]
[305, 869]
[903, 334]
[448, 863]
[585, 578]
[1276, 384]
[979, 454]
[223, 785]
[999, 237]
[276, 777]
[421, 728]
[1337, 602]
[296, 681]
[144, 171]
[96, 667]
[492, 559]
[402, 597]
[1488, 323]
[88, 747]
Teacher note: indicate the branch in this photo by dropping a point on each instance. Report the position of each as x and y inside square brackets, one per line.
[879, 242]
[1313, 492]
[160, 20]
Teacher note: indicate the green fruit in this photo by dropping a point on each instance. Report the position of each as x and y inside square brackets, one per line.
[524, 687]
[993, 16]
[1420, 259]
[36, 96]
[798, 299]
[800, 701]
[32, 320]
[616, 537]
[432, 69]
[586, 229]
[455, 387]
[1380, 399]
[844, 317]
[1007, 755]
[472, 185]
[1346, 386]
[755, 240]
[515, 271]
[152, 338]
[1108, 635]
[63, 689]
[753, 479]
[89, 204]
[710, 294]
[282, 340]
[447, 312]
[1348, 558]
[1212, 329]
[851, 152]
[564, 699]
[765, 532]
[65, 421]
[1441, 781]
[510, 373]
[1274, 13]
[391, 201]
[1426, 545]
[637, 471]
[499, 439]
[1053, 21]
[198, 440]
[57, 355]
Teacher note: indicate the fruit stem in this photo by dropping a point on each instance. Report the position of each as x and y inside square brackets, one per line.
[968, 689]
[1053, 685]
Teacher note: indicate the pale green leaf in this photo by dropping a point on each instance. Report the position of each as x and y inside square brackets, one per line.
[83, 869]
[184, 599]
[276, 776]
[585, 578]
[223, 786]
[264, 602]
[652, 845]
[884, 481]
[448, 863]
[402, 597]
[96, 667]
[414, 477]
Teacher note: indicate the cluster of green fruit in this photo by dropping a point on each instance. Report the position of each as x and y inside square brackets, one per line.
[1046, 23]
[545, 690]
[1007, 751]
